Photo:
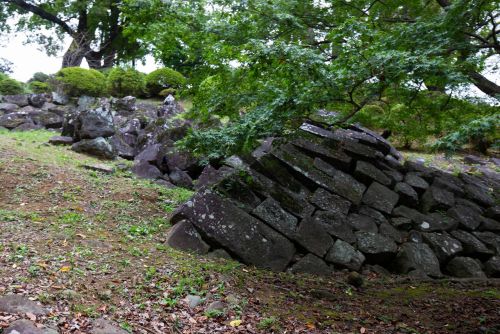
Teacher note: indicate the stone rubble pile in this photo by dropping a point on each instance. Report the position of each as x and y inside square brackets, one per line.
[327, 199]
[108, 128]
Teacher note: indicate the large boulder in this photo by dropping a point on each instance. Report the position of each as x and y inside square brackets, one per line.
[232, 228]
[443, 245]
[94, 123]
[376, 247]
[98, 147]
[20, 100]
[311, 264]
[37, 100]
[465, 267]
[48, 120]
[417, 256]
[8, 108]
[380, 197]
[345, 255]
[13, 120]
[183, 235]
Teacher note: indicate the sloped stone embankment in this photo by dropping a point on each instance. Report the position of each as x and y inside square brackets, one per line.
[327, 199]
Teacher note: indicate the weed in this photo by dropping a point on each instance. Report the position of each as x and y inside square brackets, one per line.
[267, 323]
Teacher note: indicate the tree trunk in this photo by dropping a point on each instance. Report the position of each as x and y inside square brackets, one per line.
[485, 85]
[73, 57]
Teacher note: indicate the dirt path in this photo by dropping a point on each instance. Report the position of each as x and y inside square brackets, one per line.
[89, 245]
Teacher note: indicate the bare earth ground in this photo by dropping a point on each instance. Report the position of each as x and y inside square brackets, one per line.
[89, 245]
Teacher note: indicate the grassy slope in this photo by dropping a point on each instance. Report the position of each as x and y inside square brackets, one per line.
[86, 244]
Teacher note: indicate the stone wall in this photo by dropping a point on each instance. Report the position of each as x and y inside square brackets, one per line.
[326, 199]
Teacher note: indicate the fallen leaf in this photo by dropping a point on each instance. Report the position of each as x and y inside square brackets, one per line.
[65, 269]
[235, 323]
[31, 316]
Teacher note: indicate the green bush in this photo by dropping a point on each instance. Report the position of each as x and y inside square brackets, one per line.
[40, 77]
[76, 81]
[163, 78]
[168, 91]
[39, 87]
[10, 86]
[125, 81]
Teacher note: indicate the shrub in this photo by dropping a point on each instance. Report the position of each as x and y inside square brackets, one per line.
[40, 77]
[76, 81]
[10, 86]
[125, 81]
[168, 91]
[163, 78]
[39, 87]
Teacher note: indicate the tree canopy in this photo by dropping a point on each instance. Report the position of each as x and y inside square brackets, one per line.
[95, 28]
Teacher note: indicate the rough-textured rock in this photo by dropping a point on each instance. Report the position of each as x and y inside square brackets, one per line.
[49, 120]
[465, 267]
[145, 170]
[467, 218]
[124, 105]
[417, 256]
[180, 178]
[492, 266]
[183, 235]
[345, 255]
[471, 244]
[362, 223]
[311, 264]
[330, 202]
[37, 100]
[248, 238]
[98, 147]
[13, 120]
[493, 212]
[103, 326]
[60, 98]
[61, 140]
[443, 245]
[371, 212]
[94, 123]
[149, 153]
[437, 199]
[121, 147]
[390, 231]
[376, 247]
[334, 225]
[490, 239]
[313, 237]
[380, 197]
[436, 222]
[273, 214]
[367, 172]
[8, 107]
[415, 181]
[408, 196]
[20, 100]
[19, 304]
[479, 194]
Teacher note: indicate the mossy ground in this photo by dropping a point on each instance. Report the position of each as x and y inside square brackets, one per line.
[86, 244]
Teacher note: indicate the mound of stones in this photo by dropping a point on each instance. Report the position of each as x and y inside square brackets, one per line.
[30, 111]
[328, 199]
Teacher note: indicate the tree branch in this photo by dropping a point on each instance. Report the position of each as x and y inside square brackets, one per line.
[42, 13]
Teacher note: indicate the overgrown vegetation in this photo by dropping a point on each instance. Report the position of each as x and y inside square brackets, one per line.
[164, 78]
[10, 86]
[76, 81]
[126, 81]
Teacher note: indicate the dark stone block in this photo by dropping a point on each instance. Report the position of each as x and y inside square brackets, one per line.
[490, 239]
[345, 255]
[367, 173]
[335, 225]
[145, 170]
[436, 222]
[465, 267]
[362, 223]
[333, 156]
[418, 183]
[444, 246]
[478, 194]
[417, 256]
[61, 140]
[453, 184]
[402, 223]
[371, 212]
[222, 223]
[380, 197]
[98, 147]
[493, 212]
[471, 244]
[492, 267]
[437, 199]
[330, 202]
[273, 214]
[94, 123]
[408, 196]
[376, 247]
[181, 179]
[467, 218]
[313, 237]
[184, 236]
[121, 147]
[488, 224]
[311, 264]
[341, 183]
[149, 153]
[388, 230]
[210, 176]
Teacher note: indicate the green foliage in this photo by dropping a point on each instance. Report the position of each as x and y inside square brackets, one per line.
[39, 87]
[40, 77]
[10, 86]
[125, 81]
[168, 91]
[268, 64]
[479, 133]
[163, 78]
[76, 81]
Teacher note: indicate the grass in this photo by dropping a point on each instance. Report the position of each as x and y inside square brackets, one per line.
[94, 244]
